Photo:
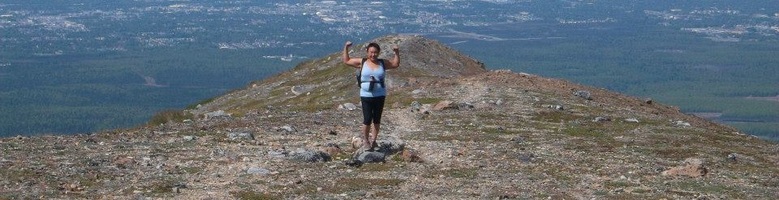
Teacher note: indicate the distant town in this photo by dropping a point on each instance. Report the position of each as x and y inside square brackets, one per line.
[57, 28]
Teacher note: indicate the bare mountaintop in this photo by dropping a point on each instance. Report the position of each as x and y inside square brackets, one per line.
[451, 130]
[326, 82]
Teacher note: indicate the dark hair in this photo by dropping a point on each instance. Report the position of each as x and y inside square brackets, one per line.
[373, 44]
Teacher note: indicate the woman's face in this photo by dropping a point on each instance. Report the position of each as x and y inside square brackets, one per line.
[373, 53]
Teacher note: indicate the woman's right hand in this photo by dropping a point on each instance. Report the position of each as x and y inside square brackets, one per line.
[348, 44]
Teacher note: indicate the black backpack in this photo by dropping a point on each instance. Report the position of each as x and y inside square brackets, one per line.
[359, 74]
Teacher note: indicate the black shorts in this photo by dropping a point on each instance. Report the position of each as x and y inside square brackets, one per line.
[371, 109]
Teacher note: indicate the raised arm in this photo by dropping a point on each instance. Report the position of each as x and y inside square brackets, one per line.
[353, 62]
[395, 61]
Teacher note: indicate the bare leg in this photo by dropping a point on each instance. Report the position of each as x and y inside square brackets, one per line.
[375, 134]
[365, 142]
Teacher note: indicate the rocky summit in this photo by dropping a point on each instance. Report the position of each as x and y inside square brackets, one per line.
[451, 130]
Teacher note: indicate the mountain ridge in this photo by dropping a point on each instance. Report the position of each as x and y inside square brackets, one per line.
[328, 76]
[464, 133]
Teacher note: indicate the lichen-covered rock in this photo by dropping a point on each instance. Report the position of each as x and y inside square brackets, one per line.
[305, 155]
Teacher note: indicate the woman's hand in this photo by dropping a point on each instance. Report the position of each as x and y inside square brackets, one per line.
[395, 61]
[353, 62]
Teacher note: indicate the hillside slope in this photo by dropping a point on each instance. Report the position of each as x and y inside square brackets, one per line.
[322, 83]
[461, 132]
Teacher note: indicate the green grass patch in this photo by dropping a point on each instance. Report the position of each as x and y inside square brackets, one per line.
[405, 99]
[191, 170]
[466, 173]
[426, 100]
[375, 167]
[675, 152]
[614, 184]
[705, 187]
[159, 188]
[356, 184]
[497, 131]
[555, 116]
[18, 175]
[462, 137]
[642, 191]
[584, 131]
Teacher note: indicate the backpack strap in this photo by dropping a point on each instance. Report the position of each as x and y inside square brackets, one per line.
[359, 73]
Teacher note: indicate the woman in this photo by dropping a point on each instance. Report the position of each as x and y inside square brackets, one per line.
[372, 87]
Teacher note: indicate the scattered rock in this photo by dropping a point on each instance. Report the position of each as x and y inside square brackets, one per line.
[602, 119]
[180, 186]
[70, 187]
[300, 89]
[279, 153]
[583, 94]
[556, 107]
[450, 105]
[465, 106]
[526, 157]
[409, 155]
[189, 138]
[457, 152]
[682, 123]
[633, 120]
[416, 106]
[648, 101]
[286, 128]
[371, 157]
[390, 144]
[347, 106]
[123, 162]
[332, 149]
[504, 71]
[444, 105]
[518, 139]
[353, 163]
[356, 142]
[305, 155]
[693, 167]
[240, 136]
[258, 171]
[732, 157]
[216, 114]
